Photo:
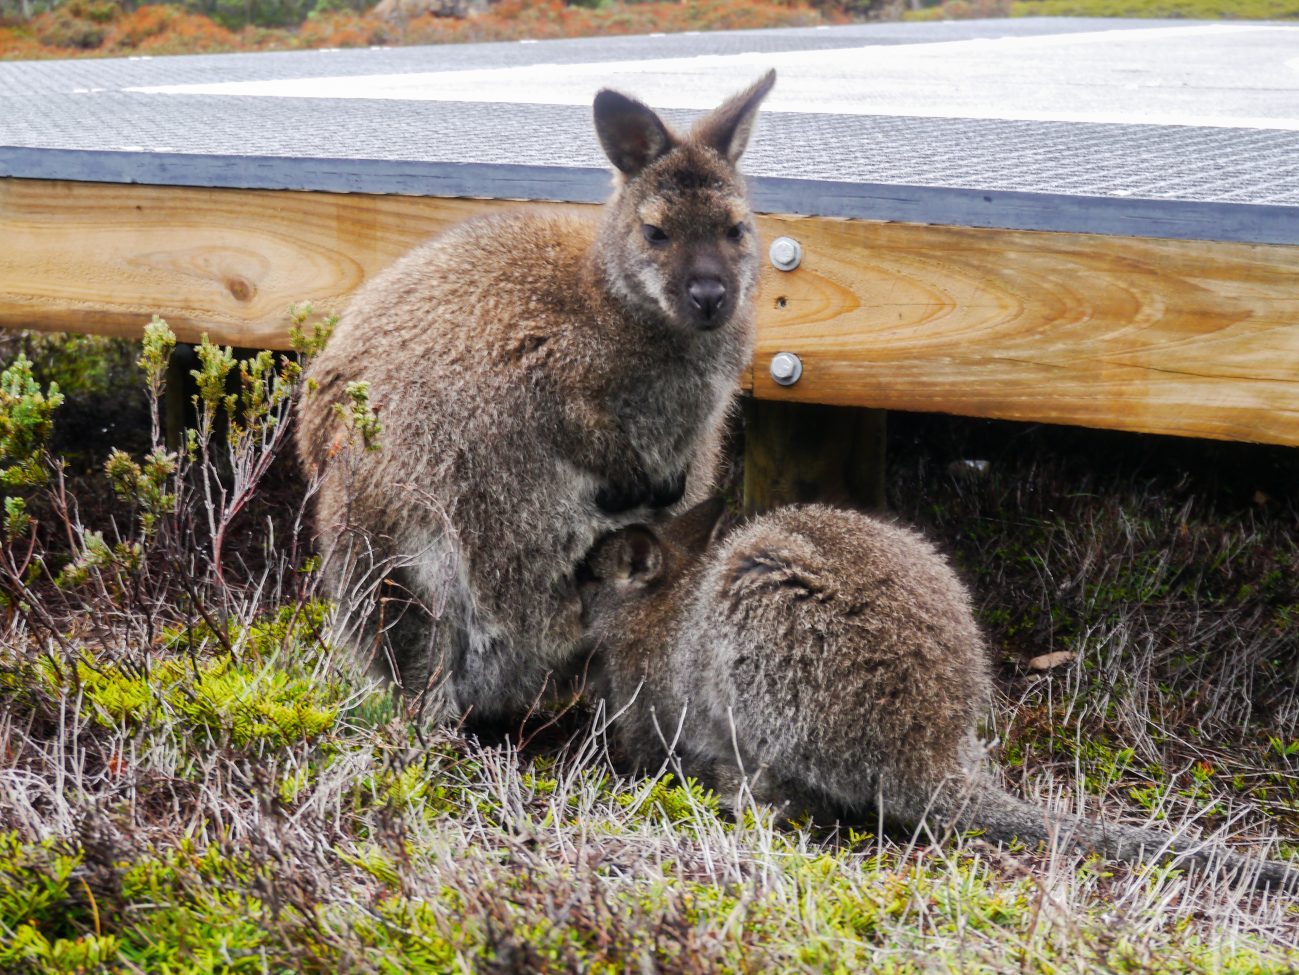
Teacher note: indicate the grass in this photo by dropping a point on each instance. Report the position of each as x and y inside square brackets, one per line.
[1170, 9]
[229, 794]
[1191, 9]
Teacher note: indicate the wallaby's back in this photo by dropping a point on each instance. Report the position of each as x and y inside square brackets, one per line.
[823, 627]
[833, 659]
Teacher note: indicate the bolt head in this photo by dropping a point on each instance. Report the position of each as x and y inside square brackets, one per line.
[786, 253]
[786, 368]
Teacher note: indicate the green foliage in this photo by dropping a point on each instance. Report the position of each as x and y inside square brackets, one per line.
[1193, 9]
[268, 698]
[83, 366]
[1170, 9]
[294, 629]
[155, 353]
[266, 382]
[358, 416]
[676, 803]
[147, 485]
[309, 342]
[26, 420]
[17, 520]
[97, 558]
[215, 365]
[37, 886]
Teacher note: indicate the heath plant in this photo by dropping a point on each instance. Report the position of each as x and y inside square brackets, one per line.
[194, 779]
[160, 558]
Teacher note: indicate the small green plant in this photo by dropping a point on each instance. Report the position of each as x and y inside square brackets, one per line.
[358, 416]
[26, 419]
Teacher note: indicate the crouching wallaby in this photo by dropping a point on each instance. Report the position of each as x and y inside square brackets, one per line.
[831, 660]
[540, 380]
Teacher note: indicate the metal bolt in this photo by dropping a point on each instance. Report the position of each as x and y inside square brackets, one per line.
[786, 253]
[786, 368]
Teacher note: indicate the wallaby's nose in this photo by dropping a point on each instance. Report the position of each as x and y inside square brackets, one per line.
[707, 295]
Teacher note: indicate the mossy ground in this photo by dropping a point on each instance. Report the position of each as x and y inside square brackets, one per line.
[241, 799]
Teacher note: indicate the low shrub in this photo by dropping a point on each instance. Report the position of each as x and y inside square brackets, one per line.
[87, 27]
[1172, 9]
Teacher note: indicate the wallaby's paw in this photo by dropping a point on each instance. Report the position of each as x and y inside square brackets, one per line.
[617, 497]
[665, 494]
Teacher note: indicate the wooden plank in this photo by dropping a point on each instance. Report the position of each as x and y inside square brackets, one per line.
[1196, 338]
[105, 257]
[1185, 337]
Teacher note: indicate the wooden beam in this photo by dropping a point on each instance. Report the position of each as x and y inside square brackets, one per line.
[105, 257]
[1162, 336]
[1183, 337]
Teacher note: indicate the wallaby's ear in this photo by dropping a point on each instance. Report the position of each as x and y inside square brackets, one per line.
[640, 557]
[693, 530]
[631, 134]
[727, 127]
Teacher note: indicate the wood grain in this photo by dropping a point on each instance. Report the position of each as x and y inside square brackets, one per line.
[104, 258]
[1197, 338]
[1184, 337]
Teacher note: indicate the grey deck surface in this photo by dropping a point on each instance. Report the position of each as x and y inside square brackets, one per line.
[1147, 128]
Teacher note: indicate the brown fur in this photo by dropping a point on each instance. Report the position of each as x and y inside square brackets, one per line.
[540, 380]
[830, 657]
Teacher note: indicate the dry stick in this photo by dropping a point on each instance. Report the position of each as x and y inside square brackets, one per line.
[556, 717]
[196, 601]
[245, 494]
[270, 449]
[34, 608]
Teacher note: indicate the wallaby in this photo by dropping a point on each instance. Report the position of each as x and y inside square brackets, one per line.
[832, 661]
[540, 379]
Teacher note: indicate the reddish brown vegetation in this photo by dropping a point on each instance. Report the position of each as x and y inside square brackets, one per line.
[87, 27]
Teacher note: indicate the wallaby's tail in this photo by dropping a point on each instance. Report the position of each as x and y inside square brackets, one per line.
[1002, 817]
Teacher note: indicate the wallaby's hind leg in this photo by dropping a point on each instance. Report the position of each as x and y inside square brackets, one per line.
[389, 604]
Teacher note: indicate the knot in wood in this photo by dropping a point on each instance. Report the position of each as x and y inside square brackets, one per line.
[240, 289]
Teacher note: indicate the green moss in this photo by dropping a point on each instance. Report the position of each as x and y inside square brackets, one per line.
[205, 908]
[217, 700]
[268, 698]
[676, 804]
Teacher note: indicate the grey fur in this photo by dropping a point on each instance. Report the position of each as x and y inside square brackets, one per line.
[541, 379]
[834, 660]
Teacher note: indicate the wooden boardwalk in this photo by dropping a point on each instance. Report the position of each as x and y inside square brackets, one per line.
[1089, 222]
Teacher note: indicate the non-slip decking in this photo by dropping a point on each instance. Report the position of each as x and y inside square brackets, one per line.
[1092, 222]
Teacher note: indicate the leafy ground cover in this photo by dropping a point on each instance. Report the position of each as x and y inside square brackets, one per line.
[194, 779]
[1189, 9]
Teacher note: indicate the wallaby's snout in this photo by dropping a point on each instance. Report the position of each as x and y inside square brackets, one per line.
[707, 301]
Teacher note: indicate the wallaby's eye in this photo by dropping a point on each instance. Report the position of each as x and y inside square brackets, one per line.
[653, 234]
[736, 232]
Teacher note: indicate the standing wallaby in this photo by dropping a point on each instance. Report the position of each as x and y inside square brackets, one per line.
[540, 380]
[829, 657]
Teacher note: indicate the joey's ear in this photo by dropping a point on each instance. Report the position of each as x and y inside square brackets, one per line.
[693, 530]
[640, 557]
[631, 134]
[727, 127]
